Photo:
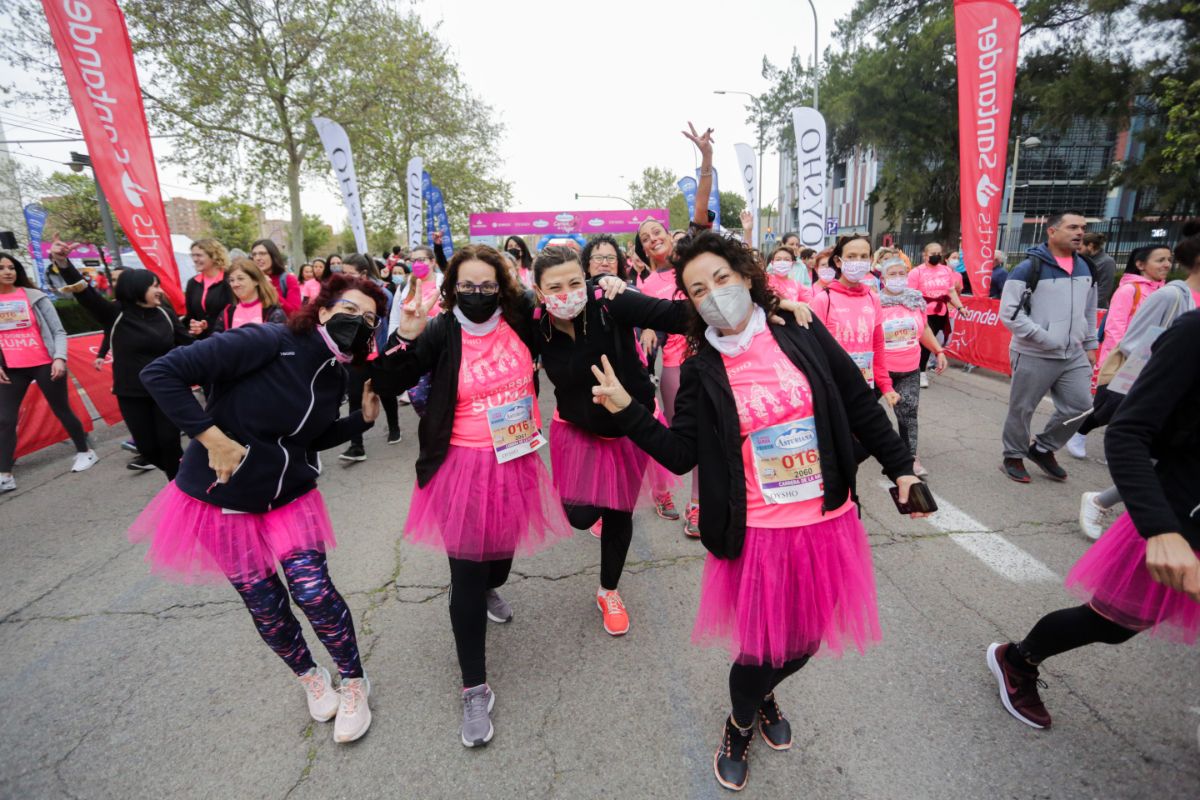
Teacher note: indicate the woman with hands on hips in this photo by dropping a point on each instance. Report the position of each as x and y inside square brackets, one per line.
[769, 413]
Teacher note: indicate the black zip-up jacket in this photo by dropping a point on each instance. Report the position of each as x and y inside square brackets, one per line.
[1160, 420]
[437, 350]
[276, 392]
[214, 302]
[135, 335]
[605, 328]
[705, 432]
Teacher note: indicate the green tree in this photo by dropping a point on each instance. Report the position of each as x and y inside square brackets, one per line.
[232, 223]
[74, 213]
[732, 206]
[316, 234]
[677, 205]
[654, 189]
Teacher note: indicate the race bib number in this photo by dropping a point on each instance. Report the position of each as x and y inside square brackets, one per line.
[14, 315]
[1122, 382]
[864, 362]
[787, 463]
[514, 433]
[899, 333]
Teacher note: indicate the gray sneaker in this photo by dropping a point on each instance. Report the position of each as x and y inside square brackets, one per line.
[498, 608]
[477, 716]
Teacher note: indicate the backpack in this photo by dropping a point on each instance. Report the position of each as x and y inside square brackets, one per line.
[283, 284]
[1031, 284]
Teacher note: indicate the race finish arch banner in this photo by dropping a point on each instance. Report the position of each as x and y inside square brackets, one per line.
[97, 61]
[986, 35]
[522, 223]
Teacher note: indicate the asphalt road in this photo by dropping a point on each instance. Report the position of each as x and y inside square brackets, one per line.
[118, 684]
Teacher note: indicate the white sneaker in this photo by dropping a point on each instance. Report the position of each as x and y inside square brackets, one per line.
[8, 483]
[1091, 515]
[353, 714]
[1077, 445]
[322, 698]
[84, 461]
[919, 469]
[924, 380]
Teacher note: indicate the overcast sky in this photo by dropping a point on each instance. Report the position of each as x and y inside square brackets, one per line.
[589, 95]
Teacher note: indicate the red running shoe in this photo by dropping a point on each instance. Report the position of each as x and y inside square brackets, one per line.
[1018, 688]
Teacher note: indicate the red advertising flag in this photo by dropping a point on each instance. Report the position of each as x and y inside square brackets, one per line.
[979, 336]
[81, 356]
[97, 60]
[37, 427]
[986, 32]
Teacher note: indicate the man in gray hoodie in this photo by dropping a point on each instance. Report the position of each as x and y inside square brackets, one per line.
[1049, 305]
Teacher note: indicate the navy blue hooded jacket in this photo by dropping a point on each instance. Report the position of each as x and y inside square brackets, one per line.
[275, 392]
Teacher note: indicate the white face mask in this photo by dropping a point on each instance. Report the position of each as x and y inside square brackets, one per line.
[780, 267]
[826, 274]
[726, 308]
[896, 285]
[855, 270]
[566, 305]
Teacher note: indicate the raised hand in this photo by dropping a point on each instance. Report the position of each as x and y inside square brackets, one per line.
[414, 313]
[609, 393]
[60, 250]
[703, 141]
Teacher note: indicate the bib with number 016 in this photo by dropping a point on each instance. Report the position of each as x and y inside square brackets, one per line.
[864, 362]
[899, 332]
[787, 463]
[514, 432]
[14, 315]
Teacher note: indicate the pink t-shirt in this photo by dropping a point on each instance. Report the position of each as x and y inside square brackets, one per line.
[1196, 297]
[310, 289]
[770, 391]
[247, 314]
[1066, 263]
[661, 284]
[208, 283]
[496, 370]
[789, 289]
[854, 317]
[933, 282]
[20, 337]
[902, 329]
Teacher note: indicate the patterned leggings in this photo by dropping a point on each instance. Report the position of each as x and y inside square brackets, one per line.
[308, 579]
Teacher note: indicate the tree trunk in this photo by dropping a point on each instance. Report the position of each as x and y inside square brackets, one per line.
[296, 229]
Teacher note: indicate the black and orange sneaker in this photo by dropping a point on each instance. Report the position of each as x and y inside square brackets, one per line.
[1018, 686]
[730, 763]
[774, 727]
[1014, 468]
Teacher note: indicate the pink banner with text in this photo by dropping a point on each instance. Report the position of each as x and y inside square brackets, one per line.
[520, 223]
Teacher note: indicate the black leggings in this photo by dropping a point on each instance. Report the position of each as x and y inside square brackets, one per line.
[1104, 407]
[469, 584]
[156, 437]
[1067, 629]
[938, 323]
[391, 405]
[55, 392]
[749, 684]
[615, 536]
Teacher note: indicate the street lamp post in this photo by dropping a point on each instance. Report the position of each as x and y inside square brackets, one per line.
[1032, 141]
[816, 56]
[757, 222]
[77, 163]
[606, 197]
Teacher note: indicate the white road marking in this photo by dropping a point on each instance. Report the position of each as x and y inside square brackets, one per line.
[997, 553]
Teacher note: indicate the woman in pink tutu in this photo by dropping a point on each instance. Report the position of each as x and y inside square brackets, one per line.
[1143, 574]
[769, 413]
[483, 494]
[246, 497]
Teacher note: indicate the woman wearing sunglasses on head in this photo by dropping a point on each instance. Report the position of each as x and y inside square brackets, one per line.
[245, 498]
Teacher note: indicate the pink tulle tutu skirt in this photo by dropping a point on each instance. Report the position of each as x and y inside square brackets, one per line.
[792, 592]
[479, 510]
[193, 540]
[1112, 577]
[591, 470]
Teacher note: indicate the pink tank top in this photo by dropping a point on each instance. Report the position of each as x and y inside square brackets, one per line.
[902, 328]
[779, 445]
[662, 285]
[20, 336]
[496, 370]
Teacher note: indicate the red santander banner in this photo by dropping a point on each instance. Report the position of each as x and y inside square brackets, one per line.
[986, 35]
[979, 337]
[97, 60]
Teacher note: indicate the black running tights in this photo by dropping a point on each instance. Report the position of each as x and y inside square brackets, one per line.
[469, 584]
[749, 684]
[615, 535]
[1067, 629]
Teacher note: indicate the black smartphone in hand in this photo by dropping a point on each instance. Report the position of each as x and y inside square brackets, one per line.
[920, 500]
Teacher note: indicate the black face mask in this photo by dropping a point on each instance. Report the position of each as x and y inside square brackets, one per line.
[478, 307]
[351, 334]
[515, 254]
[935, 259]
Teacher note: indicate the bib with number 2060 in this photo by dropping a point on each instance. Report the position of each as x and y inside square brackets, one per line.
[514, 432]
[787, 463]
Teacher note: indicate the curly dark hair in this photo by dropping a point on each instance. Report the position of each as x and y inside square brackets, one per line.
[586, 256]
[512, 298]
[741, 260]
[305, 320]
